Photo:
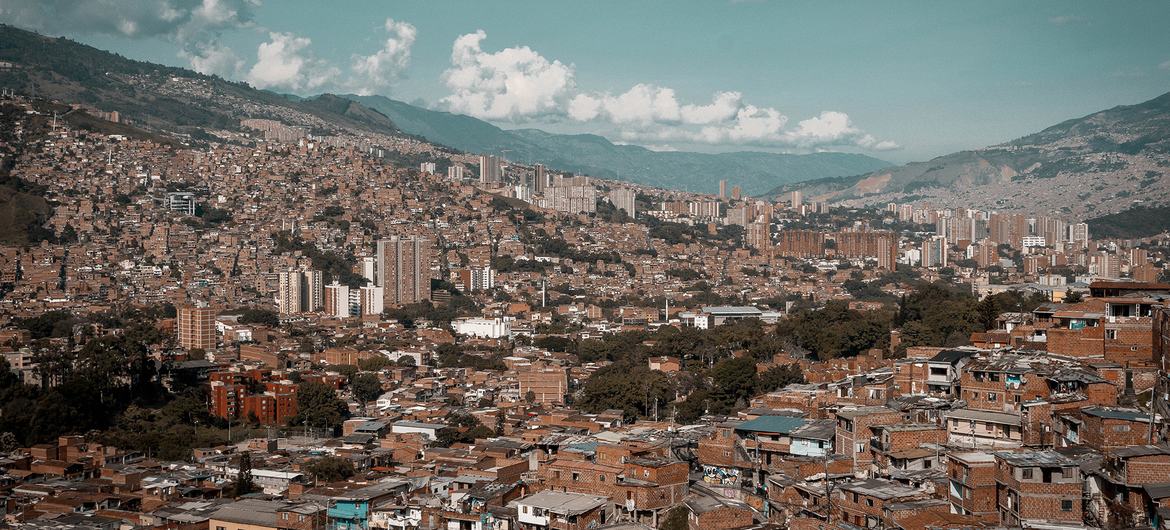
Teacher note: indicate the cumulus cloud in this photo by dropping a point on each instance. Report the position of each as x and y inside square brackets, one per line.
[512, 84]
[381, 69]
[285, 63]
[212, 58]
[195, 25]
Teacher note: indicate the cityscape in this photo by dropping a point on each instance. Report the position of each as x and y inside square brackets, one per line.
[300, 293]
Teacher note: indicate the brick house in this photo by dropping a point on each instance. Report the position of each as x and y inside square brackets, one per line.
[854, 431]
[715, 513]
[971, 491]
[1037, 486]
[864, 502]
[1103, 427]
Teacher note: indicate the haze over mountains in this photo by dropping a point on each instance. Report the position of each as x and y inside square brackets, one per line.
[1099, 164]
[755, 172]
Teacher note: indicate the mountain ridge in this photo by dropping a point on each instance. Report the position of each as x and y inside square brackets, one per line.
[1098, 164]
[754, 171]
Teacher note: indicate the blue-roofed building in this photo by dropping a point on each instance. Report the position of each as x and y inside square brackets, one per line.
[769, 437]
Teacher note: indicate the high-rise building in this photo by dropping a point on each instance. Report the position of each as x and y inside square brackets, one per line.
[369, 269]
[371, 300]
[796, 199]
[1078, 234]
[736, 192]
[723, 189]
[300, 291]
[337, 300]
[489, 169]
[539, 178]
[427, 167]
[624, 199]
[758, 234]
[196, 327]
[455, 172]
[934, 252]
[569, 196]
[404, 270]
[477, 278]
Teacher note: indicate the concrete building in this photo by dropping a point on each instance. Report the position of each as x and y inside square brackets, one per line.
[404, 270]
[196, 328]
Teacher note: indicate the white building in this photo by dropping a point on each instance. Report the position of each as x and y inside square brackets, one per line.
[487, 328]
[429, 430]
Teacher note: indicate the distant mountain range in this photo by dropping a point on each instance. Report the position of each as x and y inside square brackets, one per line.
[160, 97]
[148, 94]
[755, 172]
[1103, 163]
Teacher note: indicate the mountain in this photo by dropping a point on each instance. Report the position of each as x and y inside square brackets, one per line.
[756, 172]
[1107, 162]
[163, 98]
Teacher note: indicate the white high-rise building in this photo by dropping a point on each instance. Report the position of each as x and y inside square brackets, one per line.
[455, 172]
[300, 291]
[371, 300]
[625, 199]
[427, 167]
[369, 266]
[337, 300]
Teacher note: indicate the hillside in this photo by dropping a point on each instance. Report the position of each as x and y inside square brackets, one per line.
[162, 98]
[756, 172]
[1103, 163]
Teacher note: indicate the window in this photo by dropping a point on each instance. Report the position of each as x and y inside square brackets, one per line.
[576, 477]
[1066, 505]
[1067, 472]
[1026, 473]
[992, 397]
[601, 477]
[869, 502]
[1121, 428]
[1111, 334]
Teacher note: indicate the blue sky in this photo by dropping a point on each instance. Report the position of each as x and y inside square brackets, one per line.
[898, 80]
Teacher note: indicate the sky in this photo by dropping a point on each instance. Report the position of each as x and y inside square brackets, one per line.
[898, 80]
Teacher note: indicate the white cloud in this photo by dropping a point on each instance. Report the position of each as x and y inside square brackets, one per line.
[214, 59]
[383, 68]
[284, 63]
[194, 25]
[512, 84]
[1164, 65]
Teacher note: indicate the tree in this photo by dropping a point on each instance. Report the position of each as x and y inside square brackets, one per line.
[318, 406]
[8, 442]
[366, 387]
[734, 380]
[329, 468]
[780, 376]
[676, 519]
[244, 475]
[1073, 297]
[632, 389]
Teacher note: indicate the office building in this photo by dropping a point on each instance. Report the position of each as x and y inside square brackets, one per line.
[404, 270]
